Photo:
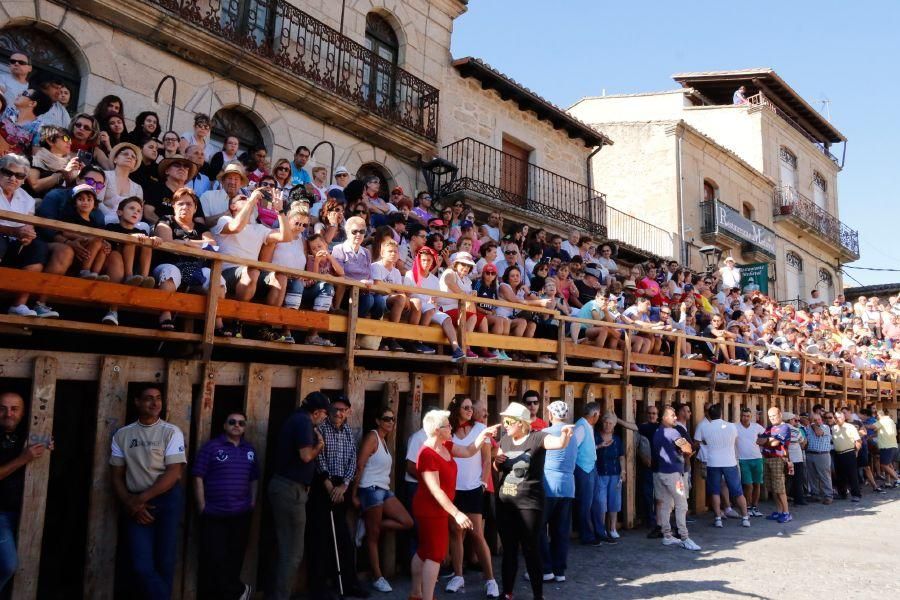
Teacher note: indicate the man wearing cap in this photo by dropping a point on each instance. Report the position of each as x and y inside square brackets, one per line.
[559, 488]
[729, 274]
[215, 203]
[589, 284]
[200, 182]
[590, 522]
[335, 471]
[341, 179]
[299, 444]
[174, 173]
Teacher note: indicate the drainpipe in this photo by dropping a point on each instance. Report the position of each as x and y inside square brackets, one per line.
[590, 183]
[680, 196]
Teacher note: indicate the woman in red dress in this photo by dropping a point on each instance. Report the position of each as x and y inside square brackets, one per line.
[433, 501]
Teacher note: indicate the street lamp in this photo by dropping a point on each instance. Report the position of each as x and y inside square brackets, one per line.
[711, 254]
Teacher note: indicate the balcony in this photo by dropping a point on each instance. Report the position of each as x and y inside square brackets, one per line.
[276, 48]
[720, 223]
[789, 204]
[515, 186]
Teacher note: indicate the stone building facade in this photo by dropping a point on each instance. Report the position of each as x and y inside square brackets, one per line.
[712, 172]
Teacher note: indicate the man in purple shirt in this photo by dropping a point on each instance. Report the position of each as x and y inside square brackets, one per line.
[225, 478]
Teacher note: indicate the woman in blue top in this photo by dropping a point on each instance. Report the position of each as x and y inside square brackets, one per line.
[611, 471]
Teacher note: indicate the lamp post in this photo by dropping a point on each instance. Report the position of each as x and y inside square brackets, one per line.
[711, 254]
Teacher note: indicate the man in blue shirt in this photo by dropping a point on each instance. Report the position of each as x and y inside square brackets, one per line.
[559, 488]
[299, 175]
[670, 450]
[299, 443]
[590, 521]
[226, 473]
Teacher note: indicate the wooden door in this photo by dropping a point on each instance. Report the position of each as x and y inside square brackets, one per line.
[514, 173]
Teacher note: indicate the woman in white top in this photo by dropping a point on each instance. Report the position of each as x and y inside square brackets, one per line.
[422, 308]
[472, 475]
[456, 280]
[126, 158]
[372, 492]
[513, 289]
[282, 289]
[384, 271]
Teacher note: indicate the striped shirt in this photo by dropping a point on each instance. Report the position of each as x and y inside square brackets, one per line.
[338, 458]
[227, 471]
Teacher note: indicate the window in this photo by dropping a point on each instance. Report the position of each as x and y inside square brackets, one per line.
[793, 276]
[788, 164]
[379, 77]
[247, 19]
[826, 285]
[710, 190]
[820, 190]
[231, 121]
[48, 57]
[747, 211]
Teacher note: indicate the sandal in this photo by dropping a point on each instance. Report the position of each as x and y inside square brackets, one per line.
[167, 325]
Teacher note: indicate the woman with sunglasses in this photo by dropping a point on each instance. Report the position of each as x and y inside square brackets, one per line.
[282, 289]
[371, 492]
[331, 221]
[513, 289]
[126, 158]
[20, 127]
[433, 502]
[199, 136]
[356, 262]
[52, 164]
[85, 130]
[520, 495]
[473, 475]
[282, 174]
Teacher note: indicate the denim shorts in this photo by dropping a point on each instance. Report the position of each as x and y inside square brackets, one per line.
[732, 476]
[370, 497]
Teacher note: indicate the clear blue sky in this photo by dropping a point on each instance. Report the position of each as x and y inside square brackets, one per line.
[843, 51]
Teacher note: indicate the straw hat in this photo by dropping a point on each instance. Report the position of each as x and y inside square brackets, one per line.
[122, 146]
[517, 411]
[178, 158]
[234, 167]
[462, 257]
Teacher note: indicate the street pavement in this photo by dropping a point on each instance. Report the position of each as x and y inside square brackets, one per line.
[842, 551]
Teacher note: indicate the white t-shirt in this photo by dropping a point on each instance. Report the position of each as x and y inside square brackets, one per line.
[493, 232]
[731, 277]
[245, 244]
[465, 285]
[380, 273]
[428, 283]
[748, 449]
[413, 445]
[720, 437]
[12, 88]
[290, 254]
[21, 202]
[469, 470]
[570, 248]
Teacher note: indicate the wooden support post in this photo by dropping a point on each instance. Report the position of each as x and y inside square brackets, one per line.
[822, 380]
[355, 390]
[479, 391]
[609, 401]
[561, 352]
[568, 396]
[588, 394]
[257, 399]
[212, 306]
[391, 397]
[37, 473]
[736, 408]
[803, 375]
[698, 399]
[102, 526]
[352, 319]
[844, 382]
[626, 358]
[414, 406]
[713, 377]
[202, 417]
[306, 384]
[448, 390]
[461, 333]
[545, 400]
[178, 413]
[676, 361]
[503, 393]
[776, 380]
[630, 458]
[747, 380]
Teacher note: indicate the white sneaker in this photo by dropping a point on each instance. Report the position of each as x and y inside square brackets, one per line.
[559, 578]
[456, 584]
[111, 318]
[490, 589]
[21, 310]
[689, 544]
[670, 541]
[248, 592]
[745, 522]
[718, 523]
[731, 513]
[600, 364]
[360, 532]
[614, 534]
[615, 366]
[382, 585]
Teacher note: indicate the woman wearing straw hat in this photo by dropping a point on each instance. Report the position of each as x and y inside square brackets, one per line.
[456, 280]
[126, 158]
[520, 496]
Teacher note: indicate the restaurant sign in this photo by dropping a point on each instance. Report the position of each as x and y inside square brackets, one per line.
[730, 221]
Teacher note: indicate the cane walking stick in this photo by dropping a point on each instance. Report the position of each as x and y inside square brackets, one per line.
[337, 554]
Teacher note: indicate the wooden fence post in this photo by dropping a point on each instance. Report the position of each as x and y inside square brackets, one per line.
[630, 458]
[102, 526]
[178, 413]
[391, 398]
[212, 306]
[448, 390]
[37, 472]
[502, 393]
[414, 406]
[352, 319]
[698, 399]
[257, 400]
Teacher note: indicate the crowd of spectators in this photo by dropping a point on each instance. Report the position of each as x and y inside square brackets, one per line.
[91, 170]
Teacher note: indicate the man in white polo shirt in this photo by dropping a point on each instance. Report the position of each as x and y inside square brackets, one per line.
[750, 459]
[720, 440]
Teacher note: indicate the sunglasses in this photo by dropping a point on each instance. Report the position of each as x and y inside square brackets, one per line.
[465, 408]
[532, 402]
[97, 185]
[510, 252]
[358, 231]
[387, 419]
[343, 175]
[64, 138]
[15, 174]
[359, 212]
[283, 169]
[238, 422]
[83, 125]
[16, 61]
[266, 184]
[510, 422]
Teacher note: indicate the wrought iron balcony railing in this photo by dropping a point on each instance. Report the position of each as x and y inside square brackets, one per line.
[513, 181]
[491, 172]
[291, 39]
[788, 202]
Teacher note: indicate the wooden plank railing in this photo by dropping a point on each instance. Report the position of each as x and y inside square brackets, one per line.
[73, 289]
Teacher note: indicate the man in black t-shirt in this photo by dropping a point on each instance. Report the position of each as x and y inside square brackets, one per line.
[14, 455]
[589, 284]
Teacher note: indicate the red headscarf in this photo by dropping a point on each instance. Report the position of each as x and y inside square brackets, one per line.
[418, 276]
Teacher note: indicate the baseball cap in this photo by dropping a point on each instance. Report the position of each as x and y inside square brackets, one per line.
[397, 190]
[338, 195]
[489, 268]
[465, 224]
[341, 170]
[436, 223]
[787, 416]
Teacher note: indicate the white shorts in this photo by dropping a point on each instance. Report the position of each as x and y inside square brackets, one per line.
[167, 271]
[439, 317]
